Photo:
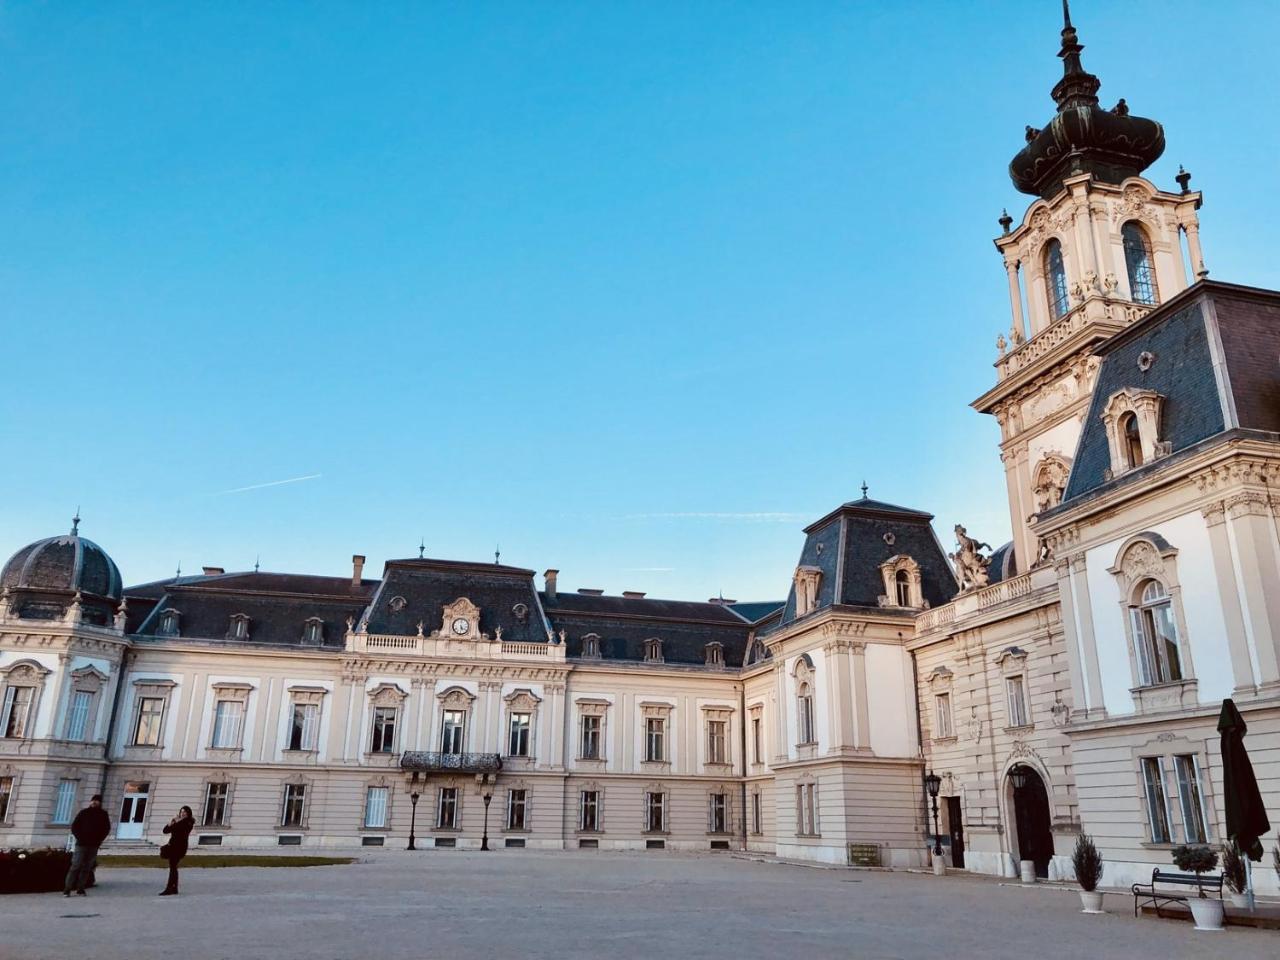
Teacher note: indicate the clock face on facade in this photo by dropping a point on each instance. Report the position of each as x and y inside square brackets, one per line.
[461, 626]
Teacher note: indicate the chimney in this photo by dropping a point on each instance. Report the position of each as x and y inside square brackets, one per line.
[590, 592]
[633, 594]
[722, 601]
[212, 571]
[357, 569]
[550, 578]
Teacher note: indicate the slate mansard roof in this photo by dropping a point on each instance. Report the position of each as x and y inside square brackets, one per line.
[1205, 401]
[849, 544]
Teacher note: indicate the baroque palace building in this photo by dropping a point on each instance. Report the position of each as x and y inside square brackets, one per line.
[1069, 681]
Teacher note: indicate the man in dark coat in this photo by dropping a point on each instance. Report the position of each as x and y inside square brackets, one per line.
[90, 828]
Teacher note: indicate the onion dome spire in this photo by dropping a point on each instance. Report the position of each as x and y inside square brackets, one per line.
[1083, 137]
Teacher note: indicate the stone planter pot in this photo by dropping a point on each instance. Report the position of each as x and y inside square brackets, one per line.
[939, 865]
[1091, 901]
[1028, 868]
[1240, 901]
[1208, 912]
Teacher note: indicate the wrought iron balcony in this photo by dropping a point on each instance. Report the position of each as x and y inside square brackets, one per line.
[424, 762]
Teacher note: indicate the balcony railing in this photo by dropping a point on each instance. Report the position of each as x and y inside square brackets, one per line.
[977, 601]
[423, 762]
[435, 646]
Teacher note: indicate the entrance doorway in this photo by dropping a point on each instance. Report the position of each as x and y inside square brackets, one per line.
[1031, 818]
[133, 810]
[955, 826]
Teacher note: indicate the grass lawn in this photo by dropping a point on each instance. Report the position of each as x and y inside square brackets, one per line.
[221, 860]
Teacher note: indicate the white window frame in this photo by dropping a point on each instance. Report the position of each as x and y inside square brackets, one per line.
[718, 806]
[519, 733]
[64, 801]
[757, 813]
[591, 824]
[155, 729]
[453, 731]
[377, 803]
[1015, 689]
[590, 727]
[942, 716]
[1150, 765]
[383, 716]
[295, 797]
[447, 798]
[517, 803]
[15, 719]
[655, 802]
[224, 789]
[757, 740]
[806, 810]
[78, 711]
[655, 739]
[8, 787]
[228, 729]
[1191, 791]
[308, 739]
[804, 706]
[717, 741]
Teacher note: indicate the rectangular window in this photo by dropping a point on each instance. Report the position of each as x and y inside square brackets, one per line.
[146, 730]
[375, 806]
[78, 715]
[655, 820]
[304, 732]
[1195, 825]
[942, 716]
[515, 809]
[215, 805]
[655, 735]
[589, 810]
[451, 734]
[590, 738]
[64, 802]
[295, 800]
[717, 741]
[718, 813]
[17, 706]
[227, 718]
[1016, 691]
[1157, 804]
[806, 719]
[518, 741]
[6, 797]
[447, 809]
[806, 812]
[384, 730]
[757, 814]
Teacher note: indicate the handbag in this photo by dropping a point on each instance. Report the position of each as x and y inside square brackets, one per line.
[164, 852]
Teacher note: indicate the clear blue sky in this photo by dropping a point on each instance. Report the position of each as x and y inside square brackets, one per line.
[634, 289]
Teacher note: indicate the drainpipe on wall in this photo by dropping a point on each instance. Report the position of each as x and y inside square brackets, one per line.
[111, 722]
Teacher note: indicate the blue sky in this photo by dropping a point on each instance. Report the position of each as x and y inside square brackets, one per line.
[635, 290]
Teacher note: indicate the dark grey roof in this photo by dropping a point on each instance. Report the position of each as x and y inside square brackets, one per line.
[755, 611]
[1004, 563]
[623, 624]
[63, 565]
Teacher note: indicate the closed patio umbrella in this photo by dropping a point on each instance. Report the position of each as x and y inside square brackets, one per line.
[1246, 817]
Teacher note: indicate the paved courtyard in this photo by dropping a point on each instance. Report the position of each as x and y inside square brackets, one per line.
[505, 904]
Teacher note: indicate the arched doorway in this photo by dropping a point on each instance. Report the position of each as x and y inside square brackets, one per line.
[1031, 818]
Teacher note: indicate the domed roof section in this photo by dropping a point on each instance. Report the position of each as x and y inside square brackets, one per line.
[63, 565]
[1084, 137]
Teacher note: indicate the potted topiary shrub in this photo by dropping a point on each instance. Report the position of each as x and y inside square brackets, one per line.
[1234, 876]
[1197, 859]
[1088, 866]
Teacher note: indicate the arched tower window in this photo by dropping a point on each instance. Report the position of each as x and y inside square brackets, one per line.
[902, 584]
[1137, 260]
[1131, 440]
[1156, 635]
[1055, 278]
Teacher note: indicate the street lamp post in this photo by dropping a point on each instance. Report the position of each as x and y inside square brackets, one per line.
[413, 818]
[486, 781]
[933, 783]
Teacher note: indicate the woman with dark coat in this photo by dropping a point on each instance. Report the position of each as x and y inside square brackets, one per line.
[179, 828]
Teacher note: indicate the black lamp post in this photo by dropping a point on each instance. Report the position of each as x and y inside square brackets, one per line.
[413, 818]
[486, 782]
[933, 783]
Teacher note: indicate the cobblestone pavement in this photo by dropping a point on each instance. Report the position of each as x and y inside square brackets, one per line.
[461, 905]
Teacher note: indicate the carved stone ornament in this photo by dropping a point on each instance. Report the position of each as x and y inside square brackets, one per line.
[971, 564]
[1145, 360]
[807, 582]
[1050, 481]
[461, 620]
[387, 695]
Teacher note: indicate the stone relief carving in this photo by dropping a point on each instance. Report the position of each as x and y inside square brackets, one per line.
[1050, 481]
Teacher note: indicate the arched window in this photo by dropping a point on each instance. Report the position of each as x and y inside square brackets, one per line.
[902, 584]
[804, 708]
[1137, 260]
[1131, 440]
[1055, 279]
[1156, 634]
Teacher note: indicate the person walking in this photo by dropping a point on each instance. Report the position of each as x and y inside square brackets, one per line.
[179, 828]
[90, 828]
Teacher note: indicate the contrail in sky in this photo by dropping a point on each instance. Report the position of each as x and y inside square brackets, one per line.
[273, 483]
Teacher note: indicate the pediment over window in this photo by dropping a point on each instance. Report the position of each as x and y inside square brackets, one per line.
[522, 699]
[88, 679]
[24, 672]
[1010, 659]
[940, 679]
[387, 695]
[456, 698]
[1144, 556]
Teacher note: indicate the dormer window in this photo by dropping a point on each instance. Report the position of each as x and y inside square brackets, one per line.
[1055, 280]
[1131, 442]
[591, 645]
[902, 583]
[239, 629]
[313, 631]
[1132, 421]
[1137, 261]
[807, 582]
[714, 653]
[169, 622]
[653, 650]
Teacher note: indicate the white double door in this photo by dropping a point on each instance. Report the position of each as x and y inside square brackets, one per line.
[133, 811]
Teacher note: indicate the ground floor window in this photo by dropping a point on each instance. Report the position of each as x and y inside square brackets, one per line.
[589, 810]
[718, 813]
[806, 810]
[295, 801]
[1195, 825]
[1157, 802]
[447, 809]
[516, 800]
[64, 801]
[6, 797]
[215, 804]
[655, 810]
[375, 806]
[757, 825]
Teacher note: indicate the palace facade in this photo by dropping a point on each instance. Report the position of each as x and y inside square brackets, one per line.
[1068, 682]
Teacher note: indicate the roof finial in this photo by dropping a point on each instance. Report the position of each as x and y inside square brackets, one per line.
[1184, 179]
[75, 522]
[178, 575]
[497, 554]
[422, 547]
[255, 562]
[864, 489]
[1066, 14]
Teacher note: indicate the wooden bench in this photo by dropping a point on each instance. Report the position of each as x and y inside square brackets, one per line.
[1144, 893]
